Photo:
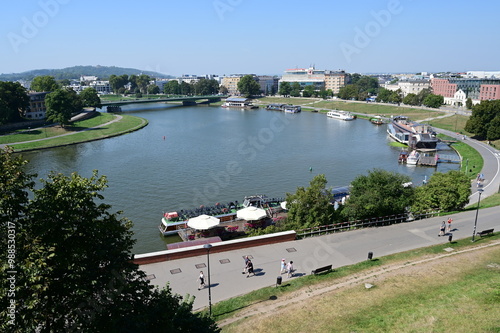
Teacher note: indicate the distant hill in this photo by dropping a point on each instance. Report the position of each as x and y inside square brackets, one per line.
[102, 72]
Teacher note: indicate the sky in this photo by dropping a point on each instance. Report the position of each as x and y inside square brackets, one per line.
[251, 36]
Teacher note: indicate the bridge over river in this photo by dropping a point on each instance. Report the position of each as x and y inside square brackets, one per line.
[186, 100]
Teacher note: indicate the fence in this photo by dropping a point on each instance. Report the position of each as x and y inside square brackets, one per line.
[367, 223]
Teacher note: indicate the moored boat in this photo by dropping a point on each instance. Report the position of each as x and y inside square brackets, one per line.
[413, 134]
[339, 114]
[377, 120]
[173, 221]
[292, 108]
[413, 158]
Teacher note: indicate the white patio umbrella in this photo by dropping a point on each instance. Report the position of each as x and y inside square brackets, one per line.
[203, 222]
[283, 205]
[251, 213]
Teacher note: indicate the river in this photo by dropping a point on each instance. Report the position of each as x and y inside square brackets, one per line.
[200, 155]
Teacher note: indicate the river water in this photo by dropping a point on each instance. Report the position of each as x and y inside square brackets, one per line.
[200, 155]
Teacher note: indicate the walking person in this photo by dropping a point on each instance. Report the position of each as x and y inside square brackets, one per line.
[283, 266]
[201, 278]
[448, 228]
[246, 265]
[250, 268]
[442, 228]
[289, 269]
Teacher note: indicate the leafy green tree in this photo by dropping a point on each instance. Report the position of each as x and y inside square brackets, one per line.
[223, 90]
[367, 84]
[349, 91]
[185, 88]
[311, 206]
[411, 99]
[74, 271]
[142, 82]
[133, 82]
[172, 87]
[206, 87]
[383, 95]
[153, 89]
[380, 193]
[482, 121]
[90, 97]
[44, 83]
[395, 96]
[445, 191]
[422, 94]
[468, 103]
[118, 82]
[308, 91]
[284, 89]
[248, 87]
[14, 100]
[433, 101]
[61, 105]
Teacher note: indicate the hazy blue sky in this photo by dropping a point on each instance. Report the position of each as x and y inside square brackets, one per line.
[251, 36]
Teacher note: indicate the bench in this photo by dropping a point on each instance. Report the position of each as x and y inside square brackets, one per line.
[485, 232]
[321, 270]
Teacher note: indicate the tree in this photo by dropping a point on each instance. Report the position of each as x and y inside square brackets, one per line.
[74, 271]
[248, 87]
[395, 97]
[380, 193]
[14, 100]
[308, 91]
[206, 87]
[349, 91]
[61, 104]
[482, 122]
[153, 89]
[422, 94]
[118, 82]
[133, 82]
[383, 95]
[433, 101]
[185, 88]
[223, 90]
[311, 206]
[44, 83]
[90, 97]
[468, 103]
[172, 87]
[142, 82]
[411, 99]
[444, 191]
[284, 89]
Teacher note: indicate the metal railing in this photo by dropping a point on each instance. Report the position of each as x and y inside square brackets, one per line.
[366, 223]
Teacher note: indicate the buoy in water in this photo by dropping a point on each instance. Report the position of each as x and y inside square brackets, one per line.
[164, 137]
[310, 169]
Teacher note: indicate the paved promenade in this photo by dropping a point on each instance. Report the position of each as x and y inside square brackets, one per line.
[338, 249]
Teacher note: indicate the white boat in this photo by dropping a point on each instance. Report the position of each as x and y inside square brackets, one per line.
[413, 158]
[339, 114]
[292, 109]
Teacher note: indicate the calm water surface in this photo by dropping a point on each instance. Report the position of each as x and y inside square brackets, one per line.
[189, 156]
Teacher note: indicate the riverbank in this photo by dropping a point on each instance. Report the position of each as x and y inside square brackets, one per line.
[101, 126]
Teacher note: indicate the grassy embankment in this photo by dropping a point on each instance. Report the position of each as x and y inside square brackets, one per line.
[457, 293]
[73, 134]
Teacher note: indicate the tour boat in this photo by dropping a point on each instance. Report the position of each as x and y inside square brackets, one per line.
[342, 115]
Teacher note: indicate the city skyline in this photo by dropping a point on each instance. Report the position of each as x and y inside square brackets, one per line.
[226, 37]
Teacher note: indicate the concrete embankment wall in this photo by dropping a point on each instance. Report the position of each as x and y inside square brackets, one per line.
[192, 251]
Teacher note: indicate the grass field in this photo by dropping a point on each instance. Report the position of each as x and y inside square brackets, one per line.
[77, 134]
[423, 290]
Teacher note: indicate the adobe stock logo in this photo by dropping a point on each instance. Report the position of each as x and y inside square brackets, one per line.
[372, 29]
[31, 26]
[222, 6]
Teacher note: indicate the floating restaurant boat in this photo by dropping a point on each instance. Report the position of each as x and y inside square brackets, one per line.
[275, 107]
[413, 134]
[173, 221]
[238, 102]
[292, 109]
[339, 114]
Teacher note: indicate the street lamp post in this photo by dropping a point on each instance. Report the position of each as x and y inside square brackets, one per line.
[480, 190]
[208, 247]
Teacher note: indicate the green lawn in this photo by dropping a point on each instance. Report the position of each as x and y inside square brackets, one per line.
[450, 296]
[125, 125]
